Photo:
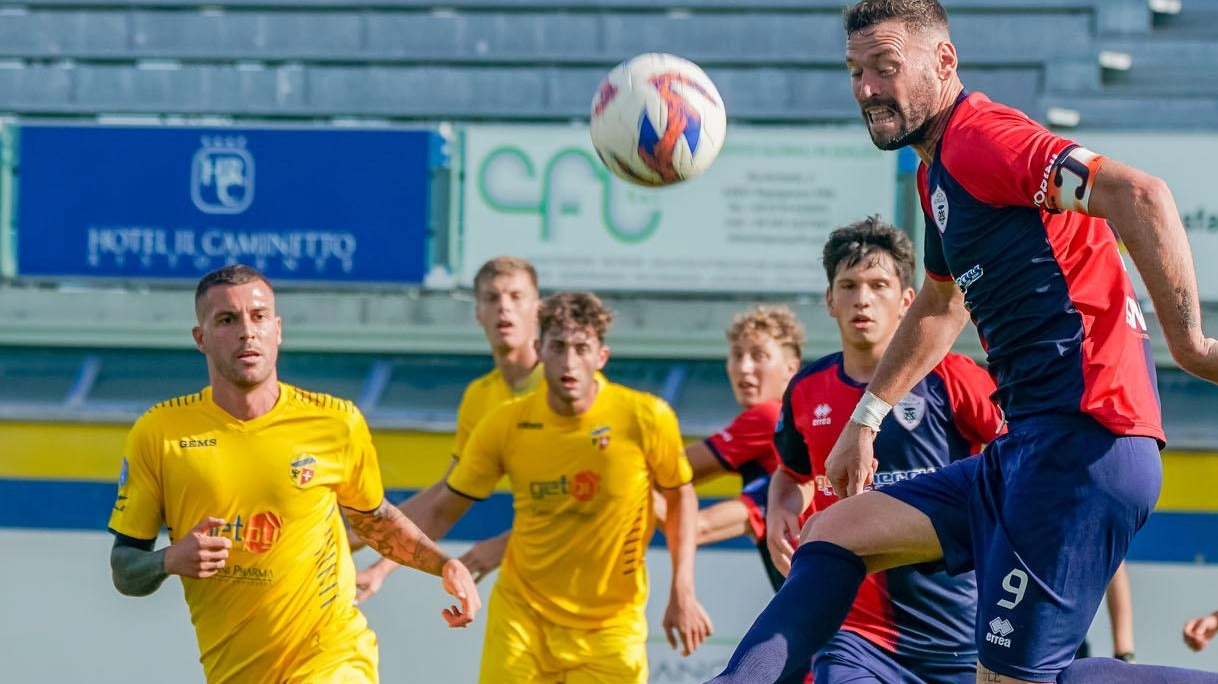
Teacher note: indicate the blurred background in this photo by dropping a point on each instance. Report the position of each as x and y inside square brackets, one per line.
[368, 156]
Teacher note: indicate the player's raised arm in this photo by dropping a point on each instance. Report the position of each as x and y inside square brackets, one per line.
[923, 338]
[398, 539]
[1144, 212]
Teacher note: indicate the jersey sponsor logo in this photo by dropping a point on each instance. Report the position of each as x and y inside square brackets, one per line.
[585, 485]
[1134, 317]
[241, 573]
[124, 471]
[600, 437]
[263, 532]
[883, 479]
[302, 469]
[1000, 629]
[970, 276]
[542, 489]
[526, 425]
[727, 436]
[909, 411]
[119, 504]
[939, 208]
[196, 443]
[256, 533]
[820, 415]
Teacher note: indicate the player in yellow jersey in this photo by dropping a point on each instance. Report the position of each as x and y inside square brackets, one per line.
[505, 289]
[250, 475]
[581, 458]
[764, 344]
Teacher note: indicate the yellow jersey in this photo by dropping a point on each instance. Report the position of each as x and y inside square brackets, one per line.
[581, 489]
[481, 397]
[281, 608]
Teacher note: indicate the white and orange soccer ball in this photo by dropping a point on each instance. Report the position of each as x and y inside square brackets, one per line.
[657, 119]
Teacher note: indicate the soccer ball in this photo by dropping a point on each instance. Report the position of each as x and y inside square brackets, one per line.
[657, 119]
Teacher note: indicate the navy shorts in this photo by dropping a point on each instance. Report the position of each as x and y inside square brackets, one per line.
[1045, 515]
[849, 658]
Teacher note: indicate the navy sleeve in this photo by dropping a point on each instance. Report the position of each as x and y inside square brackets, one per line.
[790, 443]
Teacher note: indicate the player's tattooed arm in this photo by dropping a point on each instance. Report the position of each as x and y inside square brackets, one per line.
[1185, 310]
[395, 537]
[136, 571]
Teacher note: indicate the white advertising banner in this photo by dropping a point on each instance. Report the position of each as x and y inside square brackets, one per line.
[755, 222]
[1186, 162]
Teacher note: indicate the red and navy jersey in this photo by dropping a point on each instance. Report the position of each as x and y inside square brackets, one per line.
[1047, 290]
[947, 416]
[747, 445]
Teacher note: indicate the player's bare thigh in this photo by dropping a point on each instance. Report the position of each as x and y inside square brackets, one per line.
[987, 676]
[884, 532]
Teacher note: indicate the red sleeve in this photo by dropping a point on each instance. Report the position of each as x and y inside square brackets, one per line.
[970, 390]
[999, 155]
[749, 438]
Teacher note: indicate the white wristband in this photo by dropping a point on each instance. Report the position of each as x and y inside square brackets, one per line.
[870, 411]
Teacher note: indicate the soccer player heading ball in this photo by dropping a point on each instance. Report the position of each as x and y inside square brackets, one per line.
[1018, 237]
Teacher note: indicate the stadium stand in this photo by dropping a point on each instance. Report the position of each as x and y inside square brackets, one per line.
[1113, 63]
[477, 60]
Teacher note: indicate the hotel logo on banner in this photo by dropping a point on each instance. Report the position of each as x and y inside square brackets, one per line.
[222, 176]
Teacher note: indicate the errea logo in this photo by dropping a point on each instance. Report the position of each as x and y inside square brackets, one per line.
[1000, 629]
[820, 415]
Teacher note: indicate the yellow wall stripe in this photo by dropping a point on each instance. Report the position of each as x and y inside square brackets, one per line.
[413, 460]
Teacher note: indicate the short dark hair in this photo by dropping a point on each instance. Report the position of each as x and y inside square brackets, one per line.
[862, 242]
[504, 265]
[233, 274]
[918, 15]
[575, 309]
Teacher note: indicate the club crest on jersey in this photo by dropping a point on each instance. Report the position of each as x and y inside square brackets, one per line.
[909, 411]
[302, 469]
[600, 437]
[939, 208]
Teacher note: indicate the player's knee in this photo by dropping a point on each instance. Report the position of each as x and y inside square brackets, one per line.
[830, 525]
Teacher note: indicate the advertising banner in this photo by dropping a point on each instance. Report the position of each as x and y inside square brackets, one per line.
[317, 205]
[755, 222]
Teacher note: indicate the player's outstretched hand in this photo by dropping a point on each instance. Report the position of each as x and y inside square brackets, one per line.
[460, 585]
[198, 554]
[851, 463]
[781, 535]
[685, 620]
[486, 555]
[1199, 631]
[370, 580]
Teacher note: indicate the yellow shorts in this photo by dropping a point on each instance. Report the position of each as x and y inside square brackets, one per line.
[523, 648]
[353, 663]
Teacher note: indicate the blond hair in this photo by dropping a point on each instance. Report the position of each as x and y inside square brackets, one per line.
[777, 321]
[504, 265]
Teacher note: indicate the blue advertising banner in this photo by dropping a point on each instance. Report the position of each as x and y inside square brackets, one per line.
[346, 206]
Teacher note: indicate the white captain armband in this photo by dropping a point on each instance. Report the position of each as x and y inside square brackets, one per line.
[1067, 181]
[870, 411]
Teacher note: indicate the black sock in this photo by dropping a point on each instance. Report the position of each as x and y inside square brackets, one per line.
[801, 618]
[1112, 671]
